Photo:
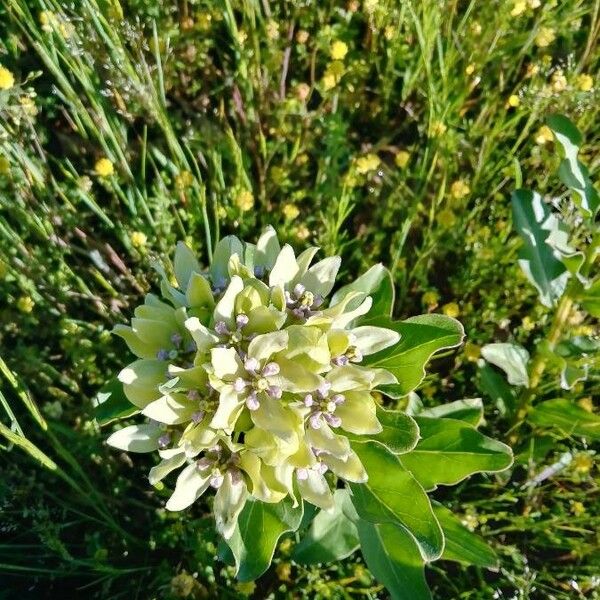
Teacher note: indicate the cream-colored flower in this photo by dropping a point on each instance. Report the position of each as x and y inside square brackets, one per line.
[545, 37]
[244, 200]
[544, 135]
[460, 189]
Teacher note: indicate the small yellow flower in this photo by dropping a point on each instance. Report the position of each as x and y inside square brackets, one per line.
[302, 232]
[183, 180]
[104, 167]
[446, 218]
[584, 82]
[272, 30]
[460, 189]
[476, 28]
[138, 239]
[47, 20]
[290, 211]
[472, 351]
[543, 135]
[7, 79]
[389, 32]
[545, 37]
[338, 50]
[577, 508]
[29, 107]
[367, 163]
[583, 463]
[431, 299]
[244, 200]
[302, 36]
[528, 324]
[438, 128]
[333, 74]
[519, 7]
[370, 5]
[302, 91]
[242, 37]
[558, 81]
[534, 3]
[25, 304]
[328, 81]
[221, 212]
[283, 570]
[513, 101]
[587, 404]
[401, 159]
[451, 309]
[532, 69]
[470, 69]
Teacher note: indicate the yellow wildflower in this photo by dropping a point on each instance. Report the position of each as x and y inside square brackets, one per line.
[370, 5]
[389, 32]
[470, 69]
[283, 570]
[25, 304]
[460, 189]
[272, 30]
[183, 180]
[559, 81]
[534, 3]
[577, 508]
[333, 74]
[7, 79]
[302, 36]
[438, 128]
[244, 200]
[545, 37]
[587, 404]
[401, 159]
[138, 239]
[446, 218]
[532, 69]
[290, 211]
[583, 463]
[472, 351]
[513, 101]
[476, 28]
[431, 298]
[338, 50]
[367, 163]
[451, 309]
[302, 91]
[519, 7]
[302, 232]
[104, 167]
[543, 135]
[29, 107]
[528, 324]
[585, 82]
[47, 20]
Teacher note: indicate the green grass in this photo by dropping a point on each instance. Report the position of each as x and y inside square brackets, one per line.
[223, 117]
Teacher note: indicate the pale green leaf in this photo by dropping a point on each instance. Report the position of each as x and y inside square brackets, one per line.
[567, 417]
[511, 358]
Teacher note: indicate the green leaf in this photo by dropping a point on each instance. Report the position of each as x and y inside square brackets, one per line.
[376, 282]
[511, 358]
[451, 450]
[567, 417]
[496, 387]
[590, 299]
[468, 410]
[420, 338]
[111, 404]
[400, 432]
[571, 171]
[260, 525]
[392, 495]
[332, 535]
[462, 545]
[394, 559]
[540, 262]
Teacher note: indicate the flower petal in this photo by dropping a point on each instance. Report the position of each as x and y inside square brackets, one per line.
[265, 345]
[136, 438]
[226, 363]
[189, 487]
[198, 292]
[229, 502]
[320, 278]
[171, 410]
[225, 309]
[141, 380]
[285, 268]
[229, 409]
[350, 468]
[358, 413]
[267, 249]
[165, 466]
[315, 490]
[203, 337]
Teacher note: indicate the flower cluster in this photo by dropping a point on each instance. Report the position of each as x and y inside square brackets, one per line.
[251, 379]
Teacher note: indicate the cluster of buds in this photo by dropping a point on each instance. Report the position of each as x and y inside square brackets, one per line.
[251, 380]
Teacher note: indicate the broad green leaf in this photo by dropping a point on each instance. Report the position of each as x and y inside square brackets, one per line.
[496, 387]
[538, 259]
[567, 417]
[392, 495]
[511, 358]
[260, 525]
[578, 347]
[469, 410]
[376, 282]
[224, 249]
[590, 299]
[420, 338]
[400, 432]
[394, 559]
[451, 450]
[462, 545]
[332, 535]
[111, 404]
[571, 171]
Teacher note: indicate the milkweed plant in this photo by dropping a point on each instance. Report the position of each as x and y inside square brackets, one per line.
[258, 384]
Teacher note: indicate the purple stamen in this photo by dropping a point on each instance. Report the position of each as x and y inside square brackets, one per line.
[315, 420]
[323, 389]
[163, 440]
[308, 400]
[340, 361]
[274, 391]
[193, 395]
[198, 416]
[333, 420]
[216, 481]
[239, 384]
[162, 355]
[252, 401]
[251, 364]
[204, 462]
[176, 339]
[221, 328]
[299, 289]
[241, 320]
[302, 474]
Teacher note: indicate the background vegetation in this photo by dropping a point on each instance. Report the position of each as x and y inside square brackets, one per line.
[383, 130]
